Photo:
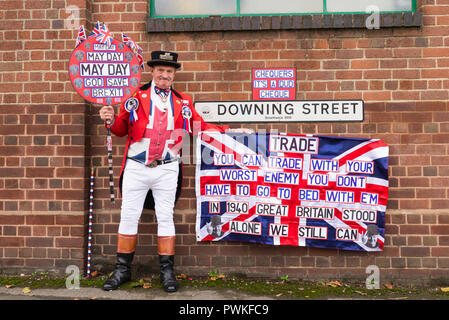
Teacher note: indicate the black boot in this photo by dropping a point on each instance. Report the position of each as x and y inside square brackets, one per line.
[122, 272]
[168, 277]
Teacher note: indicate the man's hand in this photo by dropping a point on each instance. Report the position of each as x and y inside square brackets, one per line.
[107, 113]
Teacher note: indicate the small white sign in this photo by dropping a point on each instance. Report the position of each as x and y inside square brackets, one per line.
[281, 111]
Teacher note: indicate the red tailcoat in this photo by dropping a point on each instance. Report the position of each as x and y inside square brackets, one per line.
[135, 129]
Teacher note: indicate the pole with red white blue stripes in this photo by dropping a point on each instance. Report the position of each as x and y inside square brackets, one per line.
[89, 237]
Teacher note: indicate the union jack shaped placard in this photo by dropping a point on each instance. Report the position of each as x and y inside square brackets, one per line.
[290, 189]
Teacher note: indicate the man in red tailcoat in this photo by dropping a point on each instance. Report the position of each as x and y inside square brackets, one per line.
[156, 119]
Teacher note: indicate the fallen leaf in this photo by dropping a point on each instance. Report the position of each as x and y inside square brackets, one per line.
[446, 289]
[388, 286]
[93, 298]
[360, 292]
[334, 284]
[26, 290]
[181, 276]
[278, 295]
[9, 286]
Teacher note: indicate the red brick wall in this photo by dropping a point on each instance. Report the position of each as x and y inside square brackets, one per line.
[50, 138]
[44, 158]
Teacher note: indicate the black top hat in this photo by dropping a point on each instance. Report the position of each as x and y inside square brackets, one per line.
[164, 58]
[215, 220]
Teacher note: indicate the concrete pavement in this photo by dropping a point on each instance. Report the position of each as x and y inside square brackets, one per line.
[87, 293]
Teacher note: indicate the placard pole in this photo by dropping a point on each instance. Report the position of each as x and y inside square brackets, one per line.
[111, 171]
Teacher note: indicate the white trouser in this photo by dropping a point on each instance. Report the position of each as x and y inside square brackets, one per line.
[137, 180]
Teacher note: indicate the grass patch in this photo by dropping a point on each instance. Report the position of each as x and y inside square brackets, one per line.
[313, 290]
[43, 280]
[278, 289]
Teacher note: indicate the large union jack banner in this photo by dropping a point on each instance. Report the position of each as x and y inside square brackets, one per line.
[290, 189]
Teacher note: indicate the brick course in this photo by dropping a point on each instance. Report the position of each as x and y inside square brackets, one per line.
[50, 137]
[410, 242]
